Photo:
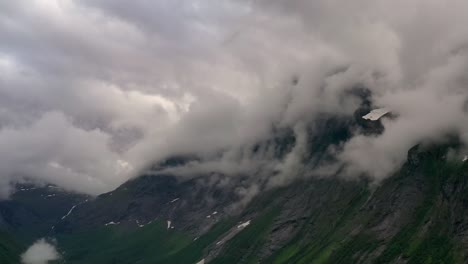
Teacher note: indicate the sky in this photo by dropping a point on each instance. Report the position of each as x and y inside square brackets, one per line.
[92, 92]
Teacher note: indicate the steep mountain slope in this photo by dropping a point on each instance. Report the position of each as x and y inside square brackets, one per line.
[191, 206]
[419, 215]
[410, 218]
[32, 211]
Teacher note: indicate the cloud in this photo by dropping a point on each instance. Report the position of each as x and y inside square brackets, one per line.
[54, 150]
[93, 92]
[41, 252]
[431, 111]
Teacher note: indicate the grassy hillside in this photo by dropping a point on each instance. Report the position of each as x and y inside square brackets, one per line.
[419, 215]
[425, 234]
[153, 243]
[150, 244]
[10, 250]
[416, 216]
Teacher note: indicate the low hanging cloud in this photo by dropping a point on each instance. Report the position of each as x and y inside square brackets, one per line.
[41, 252]
[94, 92]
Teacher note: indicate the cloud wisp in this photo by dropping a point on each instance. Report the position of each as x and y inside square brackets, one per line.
[41, 252]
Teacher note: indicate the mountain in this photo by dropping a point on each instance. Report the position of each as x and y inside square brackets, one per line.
[32, 210]
[418, 215]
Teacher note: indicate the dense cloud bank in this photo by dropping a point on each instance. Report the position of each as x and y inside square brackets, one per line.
[93, 91]
[41, 252]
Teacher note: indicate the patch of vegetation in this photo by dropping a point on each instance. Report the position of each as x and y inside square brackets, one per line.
[359, 245]
[195, 250]
[10, 250]
[328, 229]
[425, 239]
[432, 244]
[243, 247]
[150, 244]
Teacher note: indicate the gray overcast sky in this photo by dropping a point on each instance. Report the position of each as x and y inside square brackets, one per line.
[92, 91]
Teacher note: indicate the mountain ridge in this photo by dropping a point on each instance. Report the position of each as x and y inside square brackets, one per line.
[158, 218]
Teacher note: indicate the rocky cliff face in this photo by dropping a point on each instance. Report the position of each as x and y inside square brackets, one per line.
[417, 216]
[193, 206]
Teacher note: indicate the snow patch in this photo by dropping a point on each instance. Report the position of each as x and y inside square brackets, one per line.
[27, 189]
[175, 200]
[138, 223]
[169, 224]
[142, 225]
[243, 225]
[376, 114]
[112, 223]
[213, 214]
[465, 158]
[201, 261]
[69, 212]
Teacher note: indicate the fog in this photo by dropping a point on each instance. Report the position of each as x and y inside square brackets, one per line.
[41, 252]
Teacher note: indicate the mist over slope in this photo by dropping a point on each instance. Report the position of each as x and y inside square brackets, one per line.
[416, 216]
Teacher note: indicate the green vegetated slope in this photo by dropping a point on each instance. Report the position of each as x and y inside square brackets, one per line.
[149, 244]
[416, 216]
[382, 230]
[153, 243]
[10, 250]
[31, 211]
[243, 248]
